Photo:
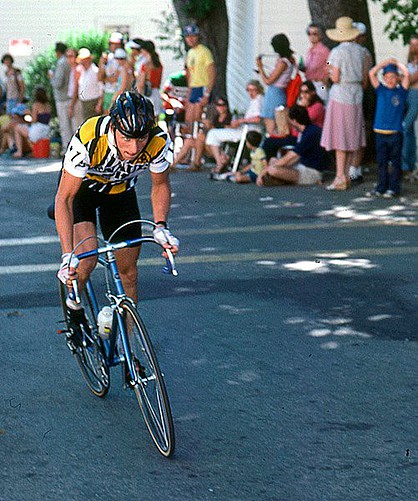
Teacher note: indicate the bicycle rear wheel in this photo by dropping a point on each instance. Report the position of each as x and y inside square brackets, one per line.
[88, 348]
[150, 388]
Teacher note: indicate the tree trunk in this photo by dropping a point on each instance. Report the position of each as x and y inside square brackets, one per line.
[214, 33]
[326, 12]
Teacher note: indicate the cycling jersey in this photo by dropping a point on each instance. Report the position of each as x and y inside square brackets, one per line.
[92, 155]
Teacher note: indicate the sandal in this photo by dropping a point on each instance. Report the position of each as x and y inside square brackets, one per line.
[339, 184]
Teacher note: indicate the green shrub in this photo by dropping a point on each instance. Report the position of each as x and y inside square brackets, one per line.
[36, 72]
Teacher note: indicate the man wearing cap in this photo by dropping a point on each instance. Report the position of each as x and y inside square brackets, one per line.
[200, 72]
[89, 89]
[59, 80]
[109, 69]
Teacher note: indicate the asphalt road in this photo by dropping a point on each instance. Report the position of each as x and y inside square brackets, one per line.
[288, 341]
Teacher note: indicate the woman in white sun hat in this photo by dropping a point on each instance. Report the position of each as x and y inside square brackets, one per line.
[344, 129]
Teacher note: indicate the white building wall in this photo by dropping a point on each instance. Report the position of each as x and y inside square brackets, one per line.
[254, 22]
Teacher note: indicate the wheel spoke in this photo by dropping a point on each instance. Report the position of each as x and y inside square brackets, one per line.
[149, 387]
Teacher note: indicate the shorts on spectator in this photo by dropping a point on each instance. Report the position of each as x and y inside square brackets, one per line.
[307, 175]
[196, 94]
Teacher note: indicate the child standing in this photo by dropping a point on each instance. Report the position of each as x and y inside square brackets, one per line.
[258, 160]
[390, 108]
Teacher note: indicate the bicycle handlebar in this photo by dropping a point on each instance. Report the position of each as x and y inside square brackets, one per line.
[170, 266]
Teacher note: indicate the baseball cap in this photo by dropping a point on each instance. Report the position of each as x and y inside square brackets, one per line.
[391, 68]
[190, 30]
[361, 27]
[120, 54]
[116, 37]
[135, 43]
[83, 53]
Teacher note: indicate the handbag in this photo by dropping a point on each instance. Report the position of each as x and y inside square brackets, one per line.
[292, 89]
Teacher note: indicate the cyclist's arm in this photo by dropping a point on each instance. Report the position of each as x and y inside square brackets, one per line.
[67, 189]
[75, 165]
[160, 195]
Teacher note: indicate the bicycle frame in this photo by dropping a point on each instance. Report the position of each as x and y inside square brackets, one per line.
[106, 257]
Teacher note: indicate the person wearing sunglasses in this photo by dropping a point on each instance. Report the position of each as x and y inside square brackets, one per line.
[219, 116]
[315, 65]
[309, 99]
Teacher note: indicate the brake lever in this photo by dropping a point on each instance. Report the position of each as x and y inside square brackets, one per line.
[170, 266]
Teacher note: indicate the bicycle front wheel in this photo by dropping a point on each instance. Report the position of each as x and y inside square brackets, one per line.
[87, 347]
[149, 384]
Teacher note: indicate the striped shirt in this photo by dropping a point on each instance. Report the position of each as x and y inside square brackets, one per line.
[92, 155]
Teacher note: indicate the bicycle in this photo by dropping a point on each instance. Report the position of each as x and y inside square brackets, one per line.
[128, 343]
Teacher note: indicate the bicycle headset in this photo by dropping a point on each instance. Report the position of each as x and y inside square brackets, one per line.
[133, 115]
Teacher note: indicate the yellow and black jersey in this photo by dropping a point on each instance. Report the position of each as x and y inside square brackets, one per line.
[92, 155]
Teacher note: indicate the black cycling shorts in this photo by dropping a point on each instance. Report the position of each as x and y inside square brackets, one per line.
[113, 211]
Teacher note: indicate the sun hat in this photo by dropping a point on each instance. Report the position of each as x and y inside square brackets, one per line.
[391, 68]
[343, 31]
[361, 27]
[190, 30]
[116, 37]
[83, 53]
[120, 54]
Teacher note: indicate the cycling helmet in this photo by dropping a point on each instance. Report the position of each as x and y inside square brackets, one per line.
[132, 114]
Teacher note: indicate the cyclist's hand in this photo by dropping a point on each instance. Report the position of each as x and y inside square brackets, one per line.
[164, 237]
[67, 271]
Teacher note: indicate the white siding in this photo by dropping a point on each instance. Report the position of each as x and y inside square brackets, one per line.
[243, 27]
[254, 22]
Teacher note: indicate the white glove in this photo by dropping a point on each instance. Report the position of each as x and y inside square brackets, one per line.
[64, 271]
[164, 236]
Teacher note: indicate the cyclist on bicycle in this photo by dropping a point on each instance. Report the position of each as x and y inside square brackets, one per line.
[100, 168]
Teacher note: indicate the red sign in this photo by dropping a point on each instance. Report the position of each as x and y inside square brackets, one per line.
[20, 46]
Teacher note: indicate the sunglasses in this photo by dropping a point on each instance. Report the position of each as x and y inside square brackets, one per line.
[313, 33]
[220, 104]
[304, 91]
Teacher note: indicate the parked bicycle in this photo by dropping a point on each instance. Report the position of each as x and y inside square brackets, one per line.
[125, 342]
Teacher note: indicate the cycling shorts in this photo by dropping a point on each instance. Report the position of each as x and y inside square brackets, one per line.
[196, 94]
[112, 210]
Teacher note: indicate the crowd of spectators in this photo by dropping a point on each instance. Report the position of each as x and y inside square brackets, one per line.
[283, 139]
[81, 89]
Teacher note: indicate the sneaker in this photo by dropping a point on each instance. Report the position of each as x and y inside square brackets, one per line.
[77, 323]
[389, 194]
[374, 193]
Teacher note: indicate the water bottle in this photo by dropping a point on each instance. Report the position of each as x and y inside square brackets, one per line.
[104, 322]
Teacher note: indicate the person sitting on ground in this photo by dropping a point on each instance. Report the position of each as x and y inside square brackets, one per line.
[26, 135]
[218, 117]
[301, 165]
[233, 132]
[15, 118]
[390, 111]
[309, 99]
[258, 164]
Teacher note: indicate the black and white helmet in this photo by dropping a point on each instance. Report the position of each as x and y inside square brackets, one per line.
[132, 114]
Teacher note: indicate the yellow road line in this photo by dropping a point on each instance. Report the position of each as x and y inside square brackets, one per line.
[236, 257]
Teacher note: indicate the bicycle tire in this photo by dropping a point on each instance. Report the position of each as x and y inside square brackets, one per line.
[150, 391]
[88, 352]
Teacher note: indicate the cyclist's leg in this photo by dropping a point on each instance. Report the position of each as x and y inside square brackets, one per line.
[127, 265]
[115, 211]
[82, 231]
